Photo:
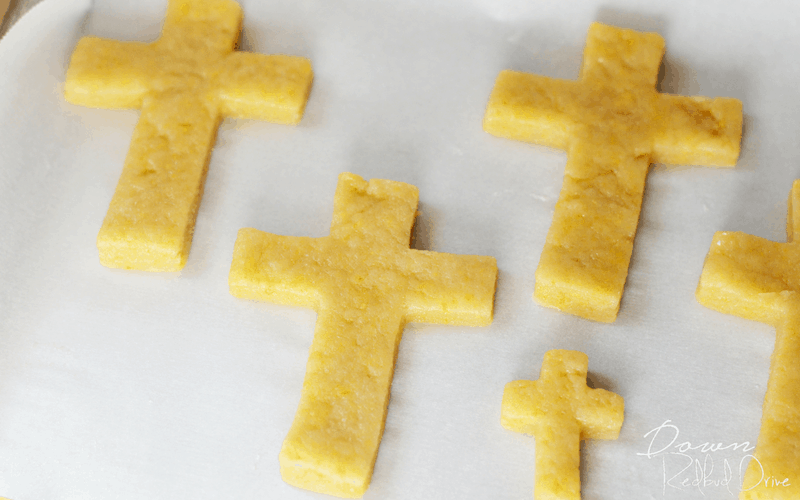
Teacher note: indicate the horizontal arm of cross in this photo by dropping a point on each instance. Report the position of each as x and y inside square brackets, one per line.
[450, 289]
[279, 269]
[600, 414]
[274, 88]
[561, 395]
[531, 108]
[697, 131]
[748, 276]
[519, 410]
[527, 405]
[108, 73]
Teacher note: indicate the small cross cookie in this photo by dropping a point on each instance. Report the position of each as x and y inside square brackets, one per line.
[184, 83]
[559, 410]
[613, 124]
[365, 284]
[759, 279]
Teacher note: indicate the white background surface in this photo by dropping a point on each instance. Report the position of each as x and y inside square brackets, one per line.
[129, 385]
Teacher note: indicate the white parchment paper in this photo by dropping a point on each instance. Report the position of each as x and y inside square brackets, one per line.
[130, 385]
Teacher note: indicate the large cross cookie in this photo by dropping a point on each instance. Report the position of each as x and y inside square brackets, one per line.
[613, 124]
[365, 284]
[759, 279]
[184, 83]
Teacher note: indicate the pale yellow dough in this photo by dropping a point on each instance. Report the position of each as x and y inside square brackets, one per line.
[759, 279]
[365, 284]
[184, 83]
[613, 124]
[559, 410]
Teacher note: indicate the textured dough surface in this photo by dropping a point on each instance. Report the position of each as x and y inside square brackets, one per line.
[184, 83]
[613, 124]
[759, 279]
[559, 410]
[365, 284]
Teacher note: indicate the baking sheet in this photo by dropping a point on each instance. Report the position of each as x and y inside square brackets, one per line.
[128, 385]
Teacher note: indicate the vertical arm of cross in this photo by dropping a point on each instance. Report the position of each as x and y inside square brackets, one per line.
[150, 221]
[774, 473]
[377, 215]
[334, 439]
[108, 73]
[206, 26]
[622, 58]
[274, 88]
[584, 264]
[333, 442]
[533, 408]
[793, 219]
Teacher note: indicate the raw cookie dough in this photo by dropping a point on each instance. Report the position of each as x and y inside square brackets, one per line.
[365, 284]
[184, 83]
[759, 279]
[613, 124]
[559, 410]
